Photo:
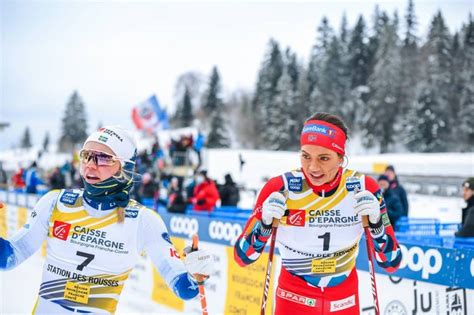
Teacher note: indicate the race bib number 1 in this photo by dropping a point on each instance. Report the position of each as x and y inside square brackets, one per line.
[323, 266]
[76, 292]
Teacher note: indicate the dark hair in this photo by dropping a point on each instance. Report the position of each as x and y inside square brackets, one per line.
[332, 119]
[203, 173]
[383, 177]
[390, 168]
[469, 183]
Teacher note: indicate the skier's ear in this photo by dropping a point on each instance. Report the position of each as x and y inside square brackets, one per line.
[343, 160]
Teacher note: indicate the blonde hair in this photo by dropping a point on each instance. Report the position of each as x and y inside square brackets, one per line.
[124, 176]
[120, 215]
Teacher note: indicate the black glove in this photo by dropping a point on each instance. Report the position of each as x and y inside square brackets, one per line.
[200, 202]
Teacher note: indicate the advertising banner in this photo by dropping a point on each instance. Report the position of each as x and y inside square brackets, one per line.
[430, 280]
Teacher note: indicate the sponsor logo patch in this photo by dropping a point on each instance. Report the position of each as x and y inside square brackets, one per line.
[61, 230]
[353, 183]
[342, 304]
[295, 184]
[296, 218]
[69, 198]
[110, 133]
[300, 299]
[313, 128]
[131, 213]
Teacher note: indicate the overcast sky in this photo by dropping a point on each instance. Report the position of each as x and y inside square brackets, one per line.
[118, 53]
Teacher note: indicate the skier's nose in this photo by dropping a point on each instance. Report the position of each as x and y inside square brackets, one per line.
[90, 163]
[314, 166]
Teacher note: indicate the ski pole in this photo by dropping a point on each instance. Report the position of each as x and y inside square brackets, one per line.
[368, 242]
[266, 288]
[200, 279]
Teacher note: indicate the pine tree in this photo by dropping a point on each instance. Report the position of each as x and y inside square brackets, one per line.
[302, 108]
[46, 142]
[433, 106]
[213, 98]
[282, 124]
[332, 91]
[382, 110]
[269, 75]
[457, 85]
[26, 139]
[213, 107]
[218, 137]
[74, 124]
[358, 66]
[380, 21]
[424, 125]
[324, 35]
[184, 115]
[466, 113]
[410, 40]
[410, 65]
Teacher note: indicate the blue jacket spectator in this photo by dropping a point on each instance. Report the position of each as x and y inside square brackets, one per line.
[393, 203]
[32, 180]
[397, 188]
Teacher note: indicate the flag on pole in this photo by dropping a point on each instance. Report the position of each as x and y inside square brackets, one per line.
[149, 116]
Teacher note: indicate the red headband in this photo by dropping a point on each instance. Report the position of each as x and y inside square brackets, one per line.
[322, 133]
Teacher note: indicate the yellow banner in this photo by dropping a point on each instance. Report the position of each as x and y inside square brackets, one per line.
[245, 286]
[3, 221]
[22, 217]
[379, 167]
[161, 293]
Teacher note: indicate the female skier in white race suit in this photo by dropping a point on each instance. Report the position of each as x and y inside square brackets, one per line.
[95, 236]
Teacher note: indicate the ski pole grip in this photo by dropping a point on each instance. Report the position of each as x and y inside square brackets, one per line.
[194, 245]
[365, 221]
[275, 222]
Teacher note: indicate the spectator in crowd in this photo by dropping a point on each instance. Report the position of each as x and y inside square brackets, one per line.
[205, 193]
[149, 188]
[17, 180]
[3, 177]
[32, 180]
[392, 201]
[229, 192]
[198, 144]
[56, 179]
[467, 228]
[397, 188]
[158, 155]
[176, 201]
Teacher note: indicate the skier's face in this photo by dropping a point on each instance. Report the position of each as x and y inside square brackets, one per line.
[94, 173]
[319, 163]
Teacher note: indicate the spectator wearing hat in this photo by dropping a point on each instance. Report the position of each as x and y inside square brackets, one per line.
[229, 192]
[392, 201]
[397, 188]
[467, 228]
[176, 201]
[205, 193]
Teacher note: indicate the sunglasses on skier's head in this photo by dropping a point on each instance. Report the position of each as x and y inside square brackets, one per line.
[98, 157]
